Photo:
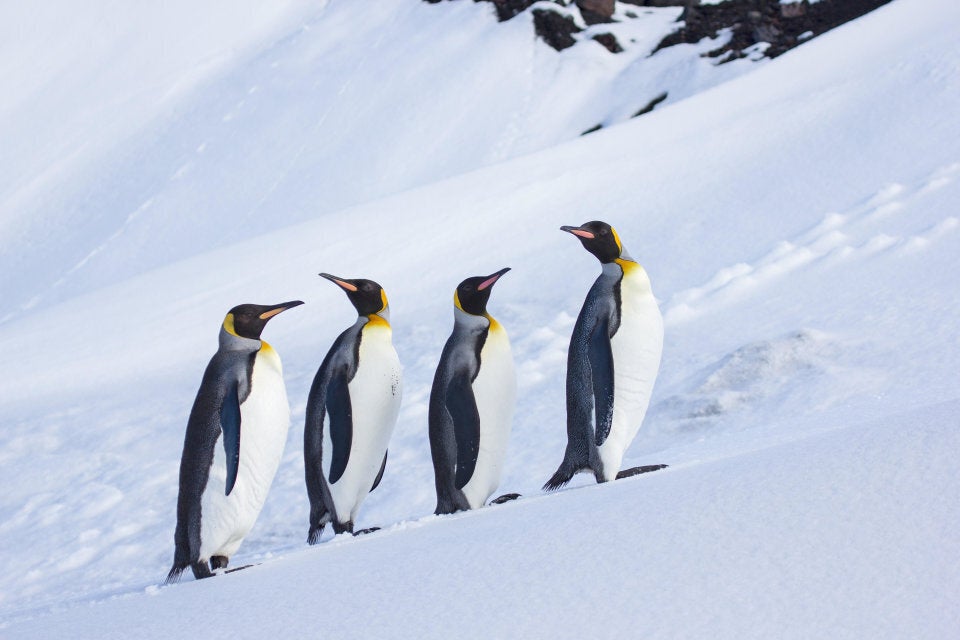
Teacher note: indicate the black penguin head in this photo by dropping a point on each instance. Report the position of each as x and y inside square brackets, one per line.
[248, 320]
[473, 293]
[367, 296]
[598, 238]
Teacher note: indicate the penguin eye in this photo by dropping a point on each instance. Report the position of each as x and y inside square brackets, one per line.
[603, 232]
[367, 286]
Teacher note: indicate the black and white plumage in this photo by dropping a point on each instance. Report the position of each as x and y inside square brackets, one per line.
[351, 411]
[612, 361]
[234, 440]
[471, 401]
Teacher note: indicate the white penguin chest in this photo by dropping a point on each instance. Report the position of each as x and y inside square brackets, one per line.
[264, 420]
[638, 342]
[636, 348]
[494, 391]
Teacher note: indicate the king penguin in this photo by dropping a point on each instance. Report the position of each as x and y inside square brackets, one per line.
[612, 361]
[351, 411]
[235, 438]
[471, 402]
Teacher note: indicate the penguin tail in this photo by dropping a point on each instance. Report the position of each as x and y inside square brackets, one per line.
[313, 537]
[174, 576]
[561, 477]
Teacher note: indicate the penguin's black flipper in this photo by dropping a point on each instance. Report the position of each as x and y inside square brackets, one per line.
[340, 411]
[635, 471]
[230, 424]
[462, 406]
[601, 369]
[383, 467]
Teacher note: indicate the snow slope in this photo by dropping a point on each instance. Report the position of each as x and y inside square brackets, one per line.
[229, 132]
[800, 225]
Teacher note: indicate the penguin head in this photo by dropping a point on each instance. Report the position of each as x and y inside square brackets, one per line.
[367, 296]
[473, 293]
[600, 239]
[248, 320]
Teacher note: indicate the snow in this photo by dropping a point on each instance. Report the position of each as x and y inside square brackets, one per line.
[798, 219]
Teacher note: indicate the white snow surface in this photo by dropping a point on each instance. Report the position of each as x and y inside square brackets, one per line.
[799, 219]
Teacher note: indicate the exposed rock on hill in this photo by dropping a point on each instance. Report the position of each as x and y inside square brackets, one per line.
[767, 27]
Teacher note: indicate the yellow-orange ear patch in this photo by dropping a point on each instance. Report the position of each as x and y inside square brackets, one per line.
[228, 325]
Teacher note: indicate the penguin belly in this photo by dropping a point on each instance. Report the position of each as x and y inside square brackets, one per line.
[375, 394]
[495, 391]
[264, 421]
[636, 349]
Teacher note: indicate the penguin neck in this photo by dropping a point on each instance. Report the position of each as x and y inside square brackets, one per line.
[628, 273]
[380, 318]
[232, 342]
[612, 270]
[469, 322]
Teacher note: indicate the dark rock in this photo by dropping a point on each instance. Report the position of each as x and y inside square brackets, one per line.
[596, 11]
[753, 21]
[595, 127]
[793, 10]
[507, 9]
[658, 3]
[556, 29]
[651, 105]
[609, 42]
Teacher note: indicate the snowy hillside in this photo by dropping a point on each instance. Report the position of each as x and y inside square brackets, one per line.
[799, 218]
[239, 131]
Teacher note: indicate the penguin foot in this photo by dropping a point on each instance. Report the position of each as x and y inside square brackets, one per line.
[342, 527]
[635, 471]
[219, 562]
[507, 497]
[364, 532]
[201, 569]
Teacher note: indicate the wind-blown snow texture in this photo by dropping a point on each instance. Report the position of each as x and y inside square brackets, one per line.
[800, 224]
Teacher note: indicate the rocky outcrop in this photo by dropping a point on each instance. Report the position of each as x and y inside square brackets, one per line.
[776, 27]
[555, 29]
[596, 11]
